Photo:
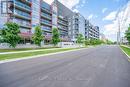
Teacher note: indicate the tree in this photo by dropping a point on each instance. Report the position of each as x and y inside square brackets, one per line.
[55, 36]
[80, 39]
[127, 35]
[10, 34]
[38, 36]
[87, 42]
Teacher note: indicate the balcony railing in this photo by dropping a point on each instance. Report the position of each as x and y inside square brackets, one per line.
[46, 16]
[63, 28]
[23, 6]
[48, 11]
[63, 23]
[46, 29]
[22, 14]
[46, 22]
[23, 23]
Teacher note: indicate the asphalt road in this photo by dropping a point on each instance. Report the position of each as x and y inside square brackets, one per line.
[104, 66]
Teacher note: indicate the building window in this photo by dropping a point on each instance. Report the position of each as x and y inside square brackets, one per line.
[3, 7]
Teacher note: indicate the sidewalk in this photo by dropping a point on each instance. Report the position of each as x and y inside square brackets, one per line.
[29, 51]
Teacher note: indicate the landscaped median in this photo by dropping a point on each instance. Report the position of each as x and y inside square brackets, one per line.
[126, 50]
[34, 53]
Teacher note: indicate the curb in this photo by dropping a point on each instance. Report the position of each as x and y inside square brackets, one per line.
[31, 57]
[125, 54]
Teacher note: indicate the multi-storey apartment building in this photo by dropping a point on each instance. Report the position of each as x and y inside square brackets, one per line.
[92, 31]
[30, 13]
[78, 26]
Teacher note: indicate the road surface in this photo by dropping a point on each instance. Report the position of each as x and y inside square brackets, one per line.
[104, 66]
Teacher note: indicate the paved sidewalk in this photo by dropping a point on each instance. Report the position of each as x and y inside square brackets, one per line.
[29, 51]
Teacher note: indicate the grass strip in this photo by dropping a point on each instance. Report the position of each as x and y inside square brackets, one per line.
[127, 50]
[24, 49]
[27, 54]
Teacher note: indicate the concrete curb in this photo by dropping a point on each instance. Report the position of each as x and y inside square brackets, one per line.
[31, 57]
[125, 54]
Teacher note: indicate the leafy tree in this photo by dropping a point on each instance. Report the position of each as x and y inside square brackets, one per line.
[109, 42]
[55, 36]
[96, 41]
[87, 42]
[38, 36]
[80, 39]
[127, 35]
[10, 34]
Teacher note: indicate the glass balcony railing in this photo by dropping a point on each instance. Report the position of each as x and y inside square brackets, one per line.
[22, 14]
[63, 23]
[46, 16]
[63, 28]
[43, 8]
[19, 4]
[46, 22]
[28, 1]
[46, 29]
[23, 23]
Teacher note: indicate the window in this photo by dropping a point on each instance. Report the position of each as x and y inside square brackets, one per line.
[3, 7]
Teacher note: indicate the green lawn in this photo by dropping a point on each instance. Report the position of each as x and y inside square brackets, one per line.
[127, 50]
[23, 49]
[27, 54]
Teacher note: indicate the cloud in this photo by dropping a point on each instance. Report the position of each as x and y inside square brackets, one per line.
[104, 10]
[68, 3]
[123, 17]
[90, 16]
[75, 10]
[48, 1]
[111, 16]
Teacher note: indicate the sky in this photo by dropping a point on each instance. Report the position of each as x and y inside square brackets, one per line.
[107, 14]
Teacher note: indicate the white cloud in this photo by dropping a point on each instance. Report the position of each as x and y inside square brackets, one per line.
[75, 10]
[69, 3]
[48, 1]
[90, 16]
[104, 10]
[110, 30]
[111, 16]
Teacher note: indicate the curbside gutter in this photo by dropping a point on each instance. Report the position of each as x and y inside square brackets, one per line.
[125, 53]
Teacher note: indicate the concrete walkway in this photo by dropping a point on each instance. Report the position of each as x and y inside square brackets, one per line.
[29, 51]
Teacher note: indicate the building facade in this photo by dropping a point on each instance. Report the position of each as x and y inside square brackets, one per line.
[30, 13]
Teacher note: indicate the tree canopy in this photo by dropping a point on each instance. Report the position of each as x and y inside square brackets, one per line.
[10, 34]
[55, 36]
[38, 36]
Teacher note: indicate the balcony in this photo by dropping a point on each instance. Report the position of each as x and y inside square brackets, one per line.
[27, 25]
[22, 6]
[27, 1]
[22, 15]
[64, 19]
[63, 33]
[63, 28]
[46, 29]
[44, 22]
[46, 10]
[46, 16]
[62, 23]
